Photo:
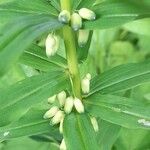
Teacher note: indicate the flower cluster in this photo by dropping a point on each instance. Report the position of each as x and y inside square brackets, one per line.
[52, 41]
[76, 17]
[63, 104]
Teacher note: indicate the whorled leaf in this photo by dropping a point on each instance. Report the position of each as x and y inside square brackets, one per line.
[18, 98]
[121, 78]
[119, 110]
[17, 38]
[112, 13]
[10, 10]
[31, 123]
[35, 57]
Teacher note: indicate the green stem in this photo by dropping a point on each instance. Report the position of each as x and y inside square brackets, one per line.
[71, 53]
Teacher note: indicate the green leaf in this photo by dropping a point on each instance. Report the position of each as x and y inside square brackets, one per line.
[15, 74]
[17, 38]
[115, 13]
[56, 4]
[16, 9]
[25, 143]
[86, 4]
[79, 133]
[32, 123]
[121, 78]
[75, 4]
[47, 137]
[35, 57]
[119, 110]
[107, 135]
[18, 98]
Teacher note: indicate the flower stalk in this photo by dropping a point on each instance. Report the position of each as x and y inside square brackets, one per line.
[71, 53]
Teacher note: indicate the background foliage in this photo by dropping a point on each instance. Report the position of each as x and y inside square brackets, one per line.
[118, 58]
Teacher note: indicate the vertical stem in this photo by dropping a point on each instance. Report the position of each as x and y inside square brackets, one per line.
[71, 53]
[66, 5]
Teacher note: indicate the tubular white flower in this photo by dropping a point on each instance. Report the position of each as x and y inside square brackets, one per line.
[94, 123]
[85, 85]
[83, 37]
[78, 105]
[68, 105]
[52, 99]
[63, 145]
[76, 21]
[51, 44]
[64, 16]
[87, 14]
[58, 117]
[61, 126]
[50, 113]
[88, 76]
[61, 98]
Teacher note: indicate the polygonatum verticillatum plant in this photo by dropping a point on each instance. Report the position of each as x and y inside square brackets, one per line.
[73, 75]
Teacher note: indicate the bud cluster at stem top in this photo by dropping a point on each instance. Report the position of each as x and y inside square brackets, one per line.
[76, 17]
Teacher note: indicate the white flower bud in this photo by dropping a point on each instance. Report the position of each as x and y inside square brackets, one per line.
[88, 76]
[61, 98]
[78, 105]
[52, 99]
[83, 37]
[68, 105]
[87, 14]
[85, 85]
[64, 16]
[50, 113]
[58, 117]
[61, 126]
[94, 123]
[52, 45]
[76, 21]
[63, 145]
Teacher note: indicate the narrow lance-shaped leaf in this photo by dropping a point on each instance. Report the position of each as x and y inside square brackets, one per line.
[18, 98]
[115, 13]
[119, 110]
[16, 9]
[86, 4]
[13, 41]
[121, 78]
[35, 57]
[79, 133]
[32, 123]
[56, 4]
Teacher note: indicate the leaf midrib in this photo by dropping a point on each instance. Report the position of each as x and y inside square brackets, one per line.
[109, 107]
[80, 131]
[114, 83]
[50, 61]
[27, 12]
[30, 93]
[24, 126]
